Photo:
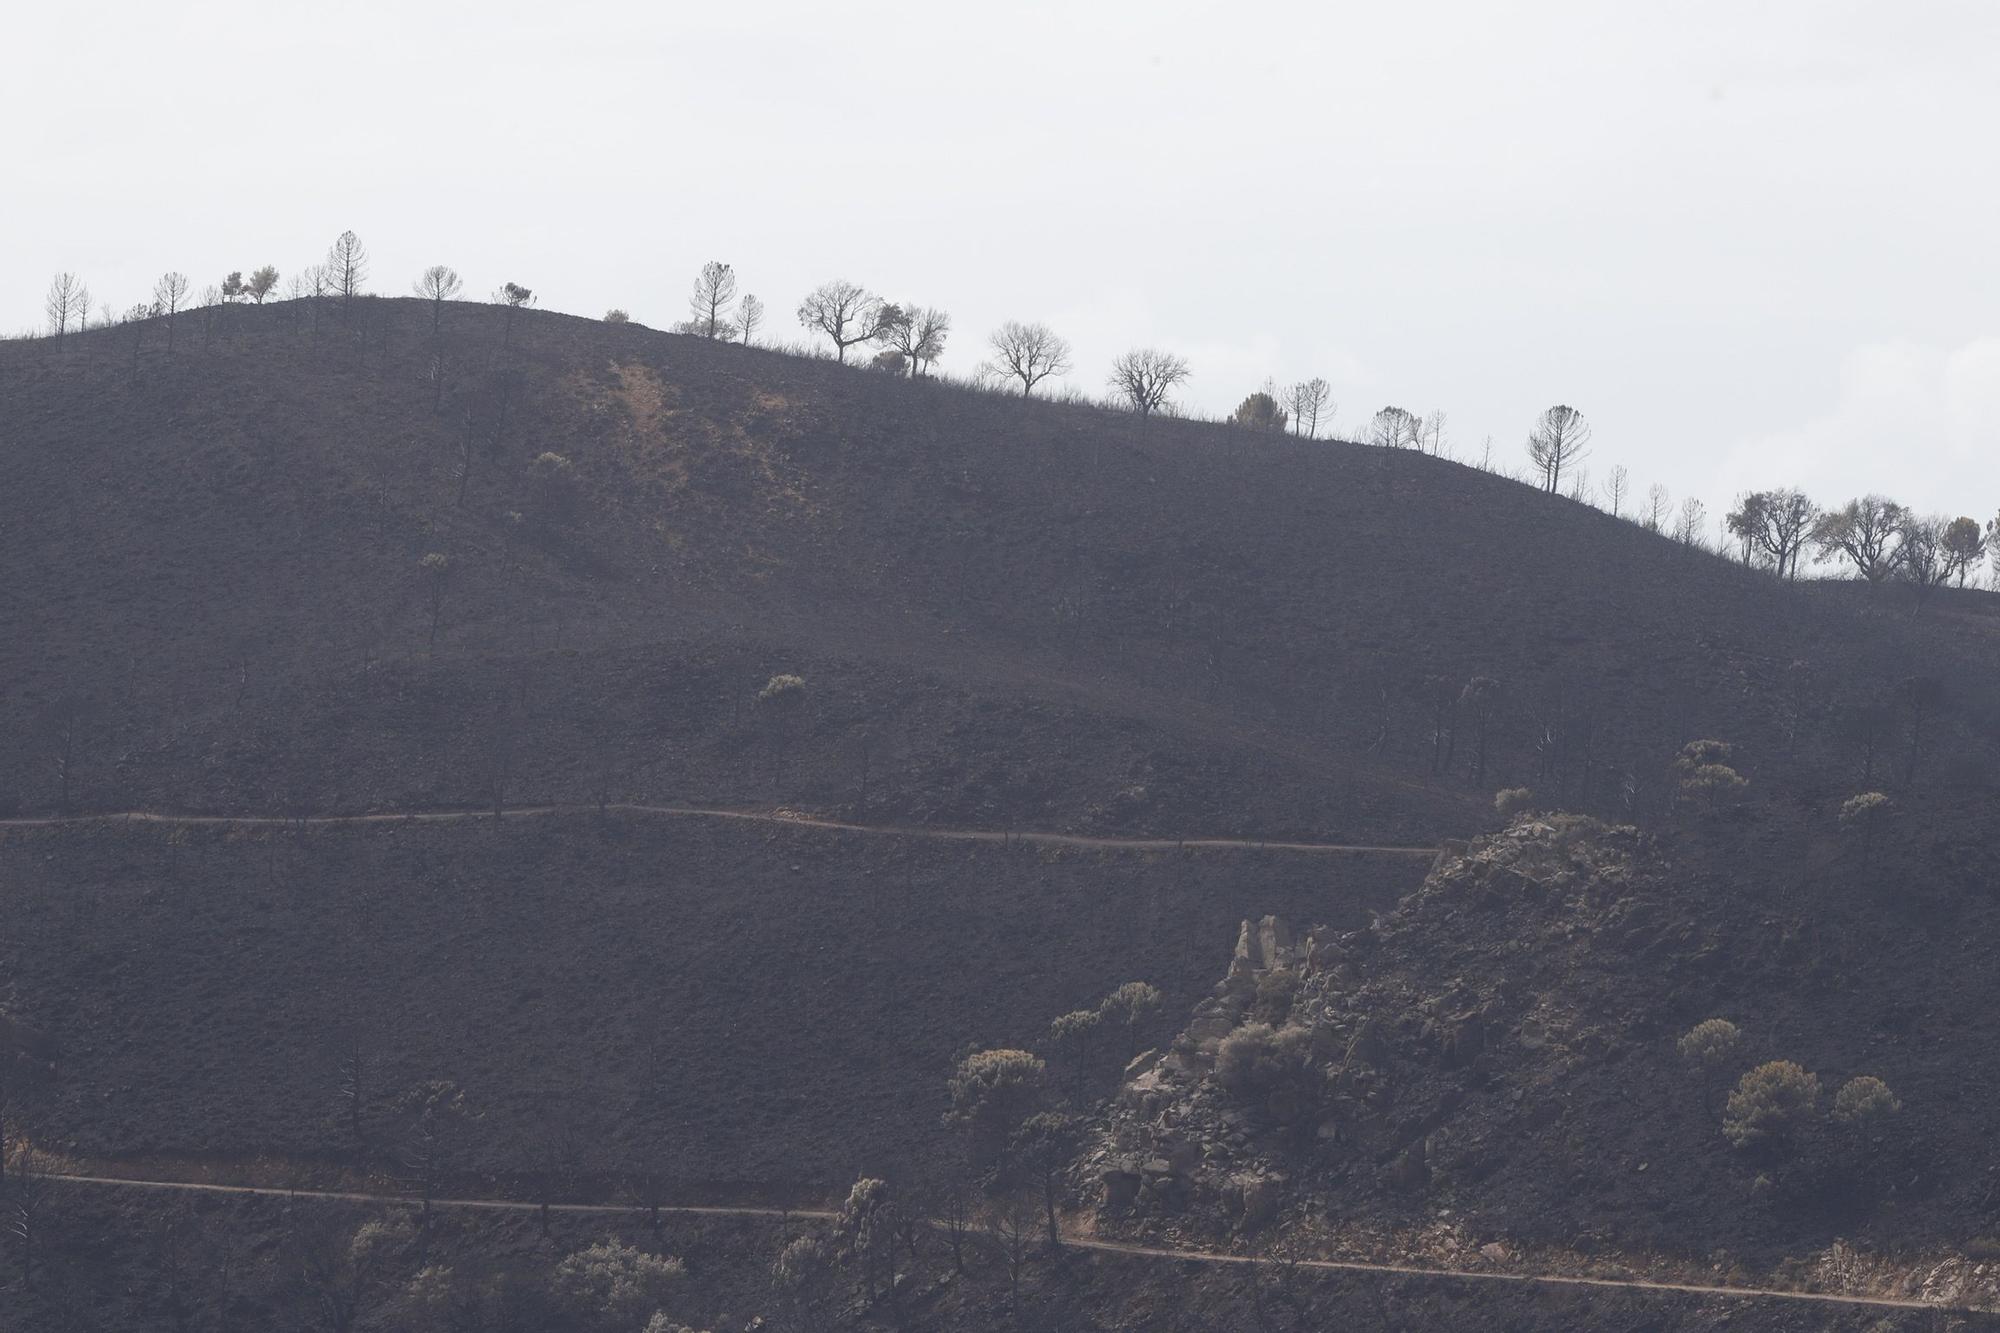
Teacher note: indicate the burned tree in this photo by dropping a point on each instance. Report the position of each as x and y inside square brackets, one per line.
[749, 314]
[1145, 376]
[346, 269]
[1616, 487]
[713, 290]
[170, 295]
[437, 581]
[844, 313]
[437, 284]
[1561, 438]
[1395, 428]
[512, 297]
[1307, 401]
[1964, 547]
[1865, 533]
[1029, 353]
[915, 333]
[65, 303]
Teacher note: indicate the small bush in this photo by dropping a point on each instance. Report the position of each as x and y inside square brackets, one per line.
[781, 688]
[1131, 1004]
[1277, 991]
[1512, 803]
[1262, 1065]
[1868, 806]
[1864, 1101]
[1711, 1044]
[616, 1284]
[1770, 1104]
[615, 316]
[1705, 774]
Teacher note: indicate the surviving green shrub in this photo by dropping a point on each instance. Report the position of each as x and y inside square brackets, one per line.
[1074, 1039]
[782, 688]
[1128, 1008]
[1864, 1101]
[1277, 992]
[1710, 1044]
[1770, 1104]
[1511, 803]
[992, 1092]
[1705, 775]
[1260, 1064]
[1864, 816]
[616, 1284]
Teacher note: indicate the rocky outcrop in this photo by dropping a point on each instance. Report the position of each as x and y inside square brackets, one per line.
[1329, 1064]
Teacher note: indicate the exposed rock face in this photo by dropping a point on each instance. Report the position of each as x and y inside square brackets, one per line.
[1326, 1065]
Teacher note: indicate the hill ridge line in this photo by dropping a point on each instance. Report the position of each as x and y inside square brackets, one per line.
[1174, 1254]
[439, 815]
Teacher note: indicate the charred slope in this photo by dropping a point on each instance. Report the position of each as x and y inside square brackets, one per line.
[1501, 1050]
[1031, 611]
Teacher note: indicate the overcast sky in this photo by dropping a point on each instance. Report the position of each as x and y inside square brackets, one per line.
[1757, 244]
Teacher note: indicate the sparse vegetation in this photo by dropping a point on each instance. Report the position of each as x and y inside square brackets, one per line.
[1770, 1105]
[1272, 1069]
[1864, 1101]
[992, 1092]
[614, 1286]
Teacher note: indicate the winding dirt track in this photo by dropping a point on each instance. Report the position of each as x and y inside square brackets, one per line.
[1081, 1243]
[1005, 837]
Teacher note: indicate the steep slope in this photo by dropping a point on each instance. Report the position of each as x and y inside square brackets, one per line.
[1002, 615]
[1025, 612]
[1502, 1052]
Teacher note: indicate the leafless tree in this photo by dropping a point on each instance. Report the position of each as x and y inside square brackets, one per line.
[66, 300]
[845, 313]
[1029, 353]
[713, 291]
[1616, 487]
[915, 333]
[261, 283]
[1430, 434]
[1477, 702]
[30, 1198]
[1688, 526]
[1560, 438]
[437, 580]
[352, 1067]
[437, 284]
[1394, 428]
[1922, 558]
[346, 268]
[170, 294]
[1865, 533]
[1307, 401]
[432, 1115]
[1013, 1220]
[749, 314]
[1657, 503]
[1145, 376]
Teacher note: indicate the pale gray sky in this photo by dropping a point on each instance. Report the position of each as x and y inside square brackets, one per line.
[1755, 243]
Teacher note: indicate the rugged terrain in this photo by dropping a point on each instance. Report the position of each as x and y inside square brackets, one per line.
[322, 560]
[1501, 1051]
